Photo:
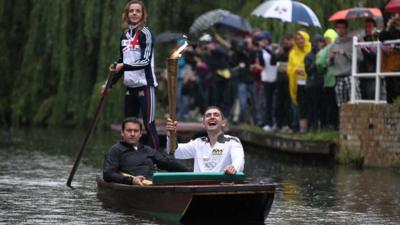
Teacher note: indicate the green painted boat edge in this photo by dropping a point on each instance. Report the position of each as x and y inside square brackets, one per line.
[174, 177]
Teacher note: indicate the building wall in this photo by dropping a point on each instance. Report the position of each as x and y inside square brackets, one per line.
[371, 132]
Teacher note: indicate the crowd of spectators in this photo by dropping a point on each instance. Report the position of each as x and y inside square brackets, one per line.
[295, 84]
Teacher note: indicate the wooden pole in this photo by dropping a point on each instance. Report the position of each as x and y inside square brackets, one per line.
[90, 131]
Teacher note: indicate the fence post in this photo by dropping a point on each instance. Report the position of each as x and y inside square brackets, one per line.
[378, 72]
[353, 70]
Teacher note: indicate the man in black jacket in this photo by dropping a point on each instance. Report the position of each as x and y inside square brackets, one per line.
[130, 157]
[391, 57]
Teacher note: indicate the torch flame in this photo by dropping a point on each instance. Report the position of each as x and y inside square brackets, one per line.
[176, 54]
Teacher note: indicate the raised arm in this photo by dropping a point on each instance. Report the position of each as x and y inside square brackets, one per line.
[183, 151]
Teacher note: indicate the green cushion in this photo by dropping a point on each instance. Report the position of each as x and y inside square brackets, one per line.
[182, 177]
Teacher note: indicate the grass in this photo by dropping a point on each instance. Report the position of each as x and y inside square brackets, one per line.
[331, 135]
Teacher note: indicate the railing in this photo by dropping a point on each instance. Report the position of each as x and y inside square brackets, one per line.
[378, 74]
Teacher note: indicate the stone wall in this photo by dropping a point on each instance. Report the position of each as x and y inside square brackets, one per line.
[371, 132]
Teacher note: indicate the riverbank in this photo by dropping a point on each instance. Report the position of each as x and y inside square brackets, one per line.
[307, 144]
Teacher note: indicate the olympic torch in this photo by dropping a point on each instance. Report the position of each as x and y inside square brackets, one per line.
[172, 68]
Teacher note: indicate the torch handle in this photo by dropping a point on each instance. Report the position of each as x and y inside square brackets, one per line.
[172, 68]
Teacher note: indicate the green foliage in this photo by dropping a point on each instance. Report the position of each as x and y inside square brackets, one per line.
[44, 111]
[113, 107]
[55, 54]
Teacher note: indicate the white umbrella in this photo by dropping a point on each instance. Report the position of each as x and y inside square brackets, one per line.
[287, 11]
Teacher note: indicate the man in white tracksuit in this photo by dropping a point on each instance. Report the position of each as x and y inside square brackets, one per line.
[217, 152]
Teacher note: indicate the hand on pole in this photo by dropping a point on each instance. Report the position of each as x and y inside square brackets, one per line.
[171, 125]
[116, 67]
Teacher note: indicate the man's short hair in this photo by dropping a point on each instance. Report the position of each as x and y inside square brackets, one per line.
[370, 20]
[214, 107]
[131, 120]
[287, 36]
[342, 22]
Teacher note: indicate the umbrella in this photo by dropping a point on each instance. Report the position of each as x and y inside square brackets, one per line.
[393, 6]
[354, 13]
[235, 22]
[167, 36]
[287, 11]
[220, 17]
[207, 20]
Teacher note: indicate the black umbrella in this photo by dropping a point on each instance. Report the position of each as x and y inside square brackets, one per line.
[168, 36]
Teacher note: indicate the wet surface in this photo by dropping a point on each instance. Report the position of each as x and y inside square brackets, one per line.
[35, 164]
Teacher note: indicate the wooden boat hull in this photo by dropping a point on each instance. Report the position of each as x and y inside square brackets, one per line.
[190, 204]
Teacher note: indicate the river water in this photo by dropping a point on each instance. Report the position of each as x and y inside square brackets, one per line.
[35, 164]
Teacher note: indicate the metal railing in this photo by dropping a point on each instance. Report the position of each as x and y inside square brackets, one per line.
[378, 74]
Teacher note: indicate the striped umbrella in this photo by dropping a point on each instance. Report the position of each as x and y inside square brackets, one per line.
[287, 11]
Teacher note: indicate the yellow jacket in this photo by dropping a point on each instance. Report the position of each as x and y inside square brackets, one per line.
[296, 60]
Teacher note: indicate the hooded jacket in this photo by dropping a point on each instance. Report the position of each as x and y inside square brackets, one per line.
[296, 60]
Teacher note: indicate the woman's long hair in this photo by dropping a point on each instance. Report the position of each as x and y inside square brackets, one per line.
[125, 19]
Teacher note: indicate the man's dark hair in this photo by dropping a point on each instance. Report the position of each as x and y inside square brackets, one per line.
[287, 36]
[342, 22]
[214, 107]
[131, 120]
[370, 20]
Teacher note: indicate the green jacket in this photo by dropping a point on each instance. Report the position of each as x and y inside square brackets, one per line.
[322, 65]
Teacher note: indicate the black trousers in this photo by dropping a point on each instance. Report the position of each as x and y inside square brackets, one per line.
[392, 88]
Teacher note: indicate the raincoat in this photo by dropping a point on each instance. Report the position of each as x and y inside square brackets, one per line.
[296, 60]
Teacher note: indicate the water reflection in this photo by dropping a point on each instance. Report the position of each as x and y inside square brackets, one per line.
[313, 193]
[35, 164]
